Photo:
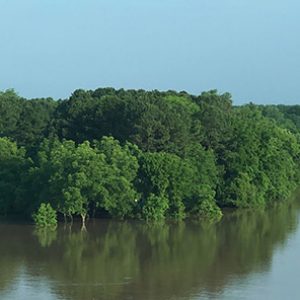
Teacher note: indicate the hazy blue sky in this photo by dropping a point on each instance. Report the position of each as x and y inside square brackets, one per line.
[250, 48]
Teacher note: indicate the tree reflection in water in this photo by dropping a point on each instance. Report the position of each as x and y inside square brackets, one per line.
[133, 260]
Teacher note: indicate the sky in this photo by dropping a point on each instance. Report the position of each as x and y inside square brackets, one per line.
[250, 48]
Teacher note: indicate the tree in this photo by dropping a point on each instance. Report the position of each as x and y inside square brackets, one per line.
[119, 196]
[13, 166]
[215, 115]
[81, 177]
[45, 217]
[260, 161]
[10, 109]
[179, 182]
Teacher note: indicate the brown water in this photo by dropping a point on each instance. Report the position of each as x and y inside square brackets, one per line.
[245, 256]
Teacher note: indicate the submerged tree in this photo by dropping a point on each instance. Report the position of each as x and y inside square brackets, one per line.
[45, 217]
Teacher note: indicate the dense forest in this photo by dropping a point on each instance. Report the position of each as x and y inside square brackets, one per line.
[144, 154]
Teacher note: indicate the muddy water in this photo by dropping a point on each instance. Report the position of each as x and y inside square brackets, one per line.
[247, 255]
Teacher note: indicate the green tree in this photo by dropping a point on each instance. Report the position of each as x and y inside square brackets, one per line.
[80, 178]
[154, 208]
[45, 217]
[13, 166]
[10, 110]
[260, 161]
[119, 196]
[181, 182]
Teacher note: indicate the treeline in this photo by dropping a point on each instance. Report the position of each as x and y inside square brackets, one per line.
[140, 154]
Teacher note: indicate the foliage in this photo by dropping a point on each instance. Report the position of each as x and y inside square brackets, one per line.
[150, 154]
[209, 209]
[13, 166]
[260, 161]
[154, 208]
[45, 217]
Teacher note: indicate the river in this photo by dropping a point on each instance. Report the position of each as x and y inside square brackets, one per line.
[247, 255]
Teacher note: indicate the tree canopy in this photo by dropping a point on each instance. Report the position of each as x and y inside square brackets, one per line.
[144, 154]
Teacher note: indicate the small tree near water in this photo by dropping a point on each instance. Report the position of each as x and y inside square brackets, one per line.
[45, 217]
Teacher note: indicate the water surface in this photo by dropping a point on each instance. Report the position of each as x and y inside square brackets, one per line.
[247, 255]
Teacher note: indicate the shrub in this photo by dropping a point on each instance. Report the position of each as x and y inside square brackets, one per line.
[209, 209]
[205, 206]
[45, 217]
[155, 208]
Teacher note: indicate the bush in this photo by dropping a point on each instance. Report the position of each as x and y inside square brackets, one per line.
[205, 206]
[155, 208]
[209, 209]
[45, 216]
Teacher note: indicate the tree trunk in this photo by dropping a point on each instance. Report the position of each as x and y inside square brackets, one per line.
[83, 216]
